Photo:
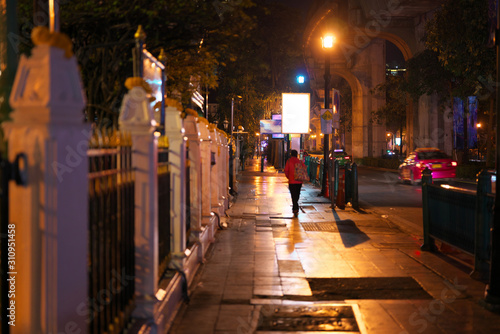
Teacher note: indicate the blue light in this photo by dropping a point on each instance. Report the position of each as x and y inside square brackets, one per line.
[301, 79]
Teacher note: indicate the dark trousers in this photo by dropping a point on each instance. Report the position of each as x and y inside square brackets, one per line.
[295, 192]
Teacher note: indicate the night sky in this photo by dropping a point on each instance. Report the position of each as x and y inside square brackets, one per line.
[302, 5]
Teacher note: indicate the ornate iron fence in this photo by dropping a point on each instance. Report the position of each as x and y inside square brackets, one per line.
[163, 206]
[111, 232]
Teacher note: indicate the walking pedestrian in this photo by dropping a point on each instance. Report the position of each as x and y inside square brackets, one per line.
[293, 184]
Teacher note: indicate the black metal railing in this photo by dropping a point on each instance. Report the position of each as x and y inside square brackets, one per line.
[163, 206]
[111, 233]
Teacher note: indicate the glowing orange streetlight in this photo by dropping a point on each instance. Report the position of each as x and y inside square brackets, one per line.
[327, 42]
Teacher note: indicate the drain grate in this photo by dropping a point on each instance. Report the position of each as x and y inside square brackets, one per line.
[396, 245]
[318, 318]
[366, 288]
[320, 227]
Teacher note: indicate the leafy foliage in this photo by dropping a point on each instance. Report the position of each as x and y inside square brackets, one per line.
[195, 35]
[393, 112]
[425, 76]
[241, 48]
[264, 64]
[345, 121]
[458, 35]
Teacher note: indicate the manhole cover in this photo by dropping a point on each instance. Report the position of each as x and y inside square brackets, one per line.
[318, 318]
[321, 227]
[366, 288]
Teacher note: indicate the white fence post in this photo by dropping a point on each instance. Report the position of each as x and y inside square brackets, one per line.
[214, 172]
[137, 119]
[177, 162]
[205, 168]
[223, 171]
[50, 214]
[193, 135]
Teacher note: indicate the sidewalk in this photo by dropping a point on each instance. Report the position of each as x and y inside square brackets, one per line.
[338, 270]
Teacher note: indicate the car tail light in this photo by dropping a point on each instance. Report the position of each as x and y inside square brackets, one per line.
[347, 157]
[454, 163]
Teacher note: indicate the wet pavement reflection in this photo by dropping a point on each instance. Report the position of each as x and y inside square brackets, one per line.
[265, 265]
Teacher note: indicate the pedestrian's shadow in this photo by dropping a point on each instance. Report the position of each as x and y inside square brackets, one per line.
[351, 235]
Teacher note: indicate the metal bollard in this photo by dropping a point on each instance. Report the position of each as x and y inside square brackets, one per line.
[354, 192]
[261, 163]
[426, 181]
[482, 226]
[336, 175]
[320, 177]
[348, 180]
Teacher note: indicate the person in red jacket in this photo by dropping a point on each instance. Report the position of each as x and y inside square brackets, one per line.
[293, 185]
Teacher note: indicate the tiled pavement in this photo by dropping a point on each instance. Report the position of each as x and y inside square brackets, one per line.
[264, 260]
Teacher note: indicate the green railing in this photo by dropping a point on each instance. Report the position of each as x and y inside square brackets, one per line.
[459, 217]
[314, 169]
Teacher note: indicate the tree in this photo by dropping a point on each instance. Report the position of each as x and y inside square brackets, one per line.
[195, 35]
[393, 113]
[459, 34]
[425, 75]
[264, 64]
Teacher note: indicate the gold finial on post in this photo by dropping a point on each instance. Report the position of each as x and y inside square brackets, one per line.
[140, 34]
[162, 57]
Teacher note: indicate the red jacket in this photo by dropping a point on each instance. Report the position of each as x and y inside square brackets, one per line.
[290, 169]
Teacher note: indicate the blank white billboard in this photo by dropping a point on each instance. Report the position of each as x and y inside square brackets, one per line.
[295, 117]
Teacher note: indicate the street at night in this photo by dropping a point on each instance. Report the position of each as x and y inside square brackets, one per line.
[249, 166]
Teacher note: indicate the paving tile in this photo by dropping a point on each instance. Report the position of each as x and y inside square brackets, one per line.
[234, 317]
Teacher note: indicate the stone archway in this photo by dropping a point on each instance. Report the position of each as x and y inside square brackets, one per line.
[362, 27]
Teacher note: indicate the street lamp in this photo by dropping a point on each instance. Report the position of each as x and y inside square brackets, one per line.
[232, 116]
[327, 44]
[390, 136]
[258, 143]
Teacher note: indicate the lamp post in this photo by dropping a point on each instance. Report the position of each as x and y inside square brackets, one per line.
[390, 136]
[232, 116]
[258, 144]
[478, 126]
[54, 15]
[327, 44]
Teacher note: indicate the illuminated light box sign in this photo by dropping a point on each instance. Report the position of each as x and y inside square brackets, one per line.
[278, 135]
[270, 126]
[295, 116]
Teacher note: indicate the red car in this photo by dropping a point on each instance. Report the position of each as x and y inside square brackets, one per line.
[440, 164]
